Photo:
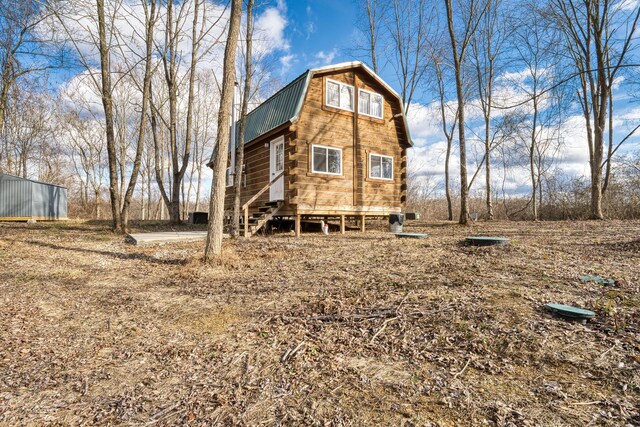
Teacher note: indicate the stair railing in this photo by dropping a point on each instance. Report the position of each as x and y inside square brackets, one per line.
[245, 207]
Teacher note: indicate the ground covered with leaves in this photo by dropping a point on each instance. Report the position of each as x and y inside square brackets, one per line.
[361, 329]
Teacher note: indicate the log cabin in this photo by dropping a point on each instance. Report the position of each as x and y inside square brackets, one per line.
[331, 145]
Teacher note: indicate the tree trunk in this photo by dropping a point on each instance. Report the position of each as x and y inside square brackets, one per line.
[243, 121]
[213, 248]
[447, 188]
[464, 188]
[146, 89]
[107, 104]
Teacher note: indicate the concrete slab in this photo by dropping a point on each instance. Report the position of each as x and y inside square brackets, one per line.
[168, 237]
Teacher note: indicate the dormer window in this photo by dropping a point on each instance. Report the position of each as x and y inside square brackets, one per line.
[370, 103]
[339, 95]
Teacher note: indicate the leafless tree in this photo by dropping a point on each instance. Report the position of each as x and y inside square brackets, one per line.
[448, 125]
[598, 36]
[539, 120]
[23, 50]
[239, 146]
[180, 139]
[87, 152]
[408, 25]
[469, 16]
[488, 46]
[28, 127]
[213, 248]
[370, 21]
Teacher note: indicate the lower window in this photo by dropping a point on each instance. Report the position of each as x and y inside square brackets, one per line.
[326, 160]
[380, 167]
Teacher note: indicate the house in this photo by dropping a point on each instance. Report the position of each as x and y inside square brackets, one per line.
[23, 199]
[331, 144]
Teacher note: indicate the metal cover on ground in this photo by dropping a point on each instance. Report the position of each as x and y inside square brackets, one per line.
[569, 311]
[486, 240]
[411, 235]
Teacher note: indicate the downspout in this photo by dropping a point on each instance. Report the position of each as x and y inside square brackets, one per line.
[356, 154]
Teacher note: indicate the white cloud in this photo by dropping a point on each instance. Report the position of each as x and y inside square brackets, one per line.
[325, 58]
[428, 155]
[286, 62]
[269, 30]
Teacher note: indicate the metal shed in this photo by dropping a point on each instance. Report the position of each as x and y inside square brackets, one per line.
[23, 199]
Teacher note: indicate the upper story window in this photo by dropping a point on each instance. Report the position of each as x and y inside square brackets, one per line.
[339, 95]
[326, 160]
[380, 167]
[370, 103]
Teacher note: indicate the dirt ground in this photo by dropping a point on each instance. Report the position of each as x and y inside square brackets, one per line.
[361, 329]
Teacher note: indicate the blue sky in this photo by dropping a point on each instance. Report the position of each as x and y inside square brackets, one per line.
[302, 34]
[322, 32]
[318, 31]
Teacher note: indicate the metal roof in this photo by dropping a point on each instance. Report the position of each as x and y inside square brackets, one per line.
[286, 104]
[19, 178]
[277, 110]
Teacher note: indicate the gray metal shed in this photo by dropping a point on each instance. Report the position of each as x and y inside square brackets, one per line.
[23, 199]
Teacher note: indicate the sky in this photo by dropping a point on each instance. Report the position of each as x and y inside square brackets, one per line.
[302, 34]
[321, 32]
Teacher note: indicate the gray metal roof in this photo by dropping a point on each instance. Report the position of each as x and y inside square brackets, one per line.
[9, 177]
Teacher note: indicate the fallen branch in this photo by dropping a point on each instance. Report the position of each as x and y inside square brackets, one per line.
[290, 354]
[463, 369]
[384, 325]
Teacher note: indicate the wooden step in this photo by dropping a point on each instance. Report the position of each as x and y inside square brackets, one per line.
[273, 203]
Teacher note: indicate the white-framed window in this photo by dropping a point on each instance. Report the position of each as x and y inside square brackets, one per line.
[326, 160]
[380, 167]
[370, 103]
[339, 95]
[228, 177]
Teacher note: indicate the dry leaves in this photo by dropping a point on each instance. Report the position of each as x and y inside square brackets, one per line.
[359, 329]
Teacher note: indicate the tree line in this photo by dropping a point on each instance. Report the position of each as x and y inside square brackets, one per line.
[504, 80]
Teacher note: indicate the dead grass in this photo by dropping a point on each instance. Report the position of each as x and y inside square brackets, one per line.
[362, 329]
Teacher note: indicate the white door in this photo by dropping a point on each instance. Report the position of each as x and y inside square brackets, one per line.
[276, 192]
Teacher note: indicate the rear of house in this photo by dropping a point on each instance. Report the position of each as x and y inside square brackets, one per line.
[336, 139]
[23, 199]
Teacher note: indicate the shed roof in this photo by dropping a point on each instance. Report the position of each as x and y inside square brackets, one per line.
[19, 178]
[285, 105]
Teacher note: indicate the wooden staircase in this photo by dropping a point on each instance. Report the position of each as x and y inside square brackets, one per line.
[265, 212]
[259, 219]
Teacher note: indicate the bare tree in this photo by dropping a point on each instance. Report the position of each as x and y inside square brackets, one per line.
[541, 117]
[598, 35]
[213, 248]
[87, 152]
[448, 126]
[22, 47]
[150, 18]
[107, 103]
[28, 127]
[408, 26]
[488, 46]
[239, 146]
[470, 16]
[370, 22]
[180, 140]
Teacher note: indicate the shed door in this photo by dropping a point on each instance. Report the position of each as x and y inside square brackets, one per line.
[276, 191]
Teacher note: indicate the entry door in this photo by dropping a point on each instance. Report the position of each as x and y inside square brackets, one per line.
[276, 192]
